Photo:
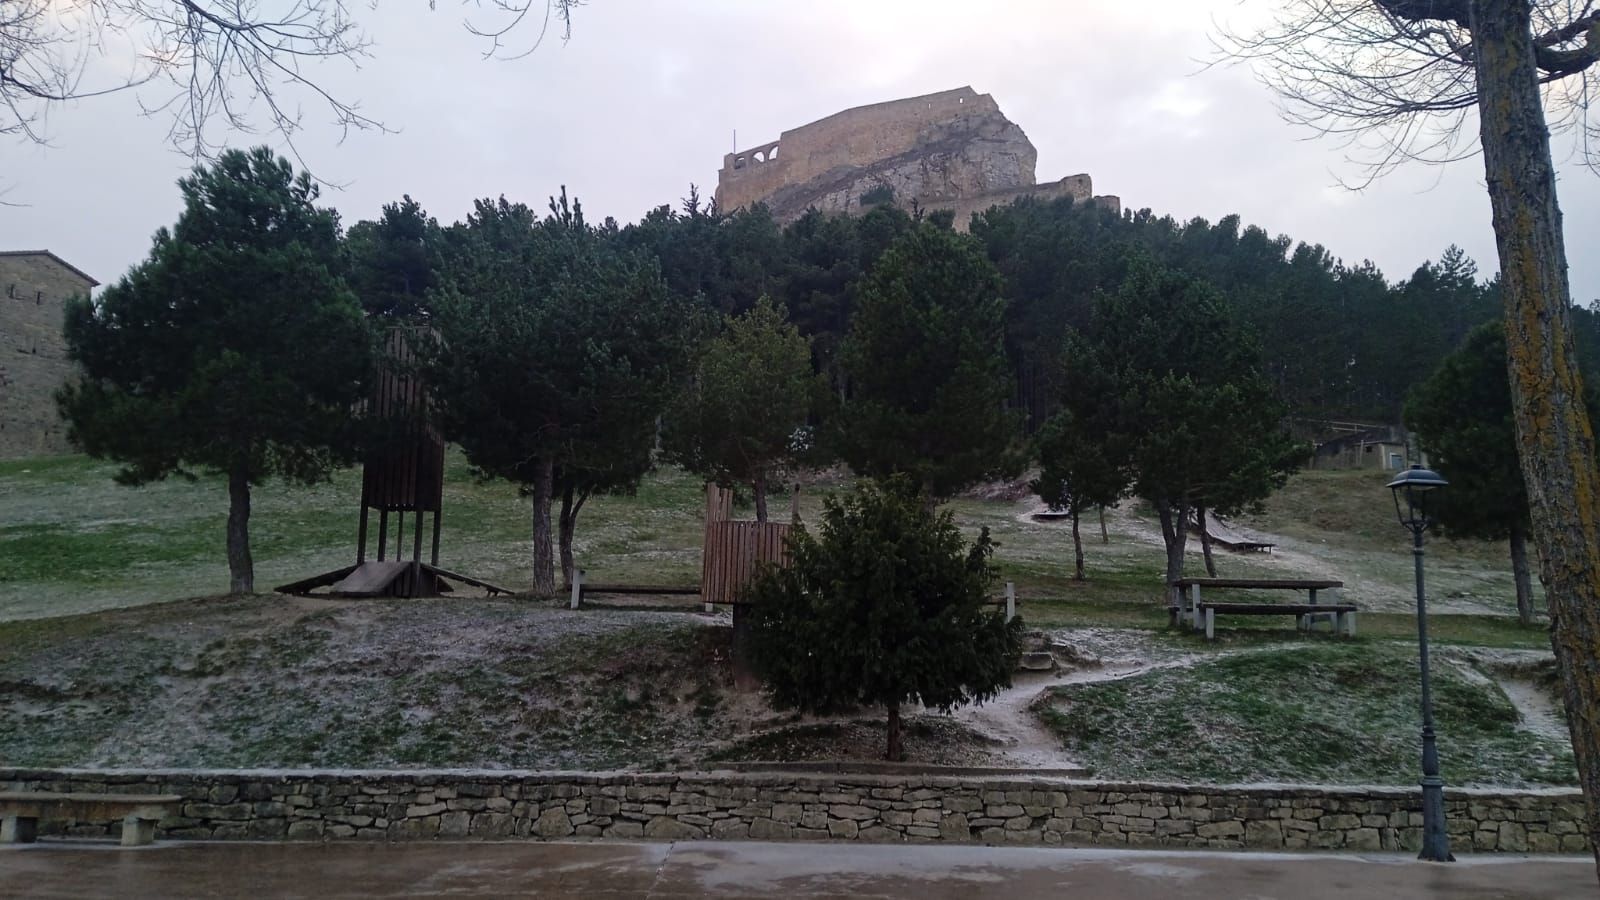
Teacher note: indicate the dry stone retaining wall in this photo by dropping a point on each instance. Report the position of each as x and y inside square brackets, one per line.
[413, 805]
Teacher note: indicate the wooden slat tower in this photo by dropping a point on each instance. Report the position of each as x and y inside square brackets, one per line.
[404, 474]
[734, 551]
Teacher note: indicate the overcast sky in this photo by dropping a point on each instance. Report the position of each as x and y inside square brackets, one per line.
[647, 95]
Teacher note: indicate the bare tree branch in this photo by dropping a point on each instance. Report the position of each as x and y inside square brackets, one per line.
[213, 66]
[1393, 80]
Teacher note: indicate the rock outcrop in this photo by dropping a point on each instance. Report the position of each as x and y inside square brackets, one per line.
[954, 150]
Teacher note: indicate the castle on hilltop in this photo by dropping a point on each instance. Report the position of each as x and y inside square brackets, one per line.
[952, 150]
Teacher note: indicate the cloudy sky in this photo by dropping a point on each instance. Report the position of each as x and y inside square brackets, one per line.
[647, 96]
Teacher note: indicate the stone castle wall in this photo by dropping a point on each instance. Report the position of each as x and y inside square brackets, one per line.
[34, 288]
[852, 138]
[419, 805]
[1077, 188]
[952, 150]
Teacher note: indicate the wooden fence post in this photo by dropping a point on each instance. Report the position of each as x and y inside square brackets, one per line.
[577, 587]
[1011, 600]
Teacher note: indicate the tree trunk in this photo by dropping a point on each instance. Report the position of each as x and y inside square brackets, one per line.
[1077, 546]
[895, 752]
[565, 525]
[241, 569]
[1104, 537]
[1555, 440]
[1176, 536]
[1205, 541]
[544, 575]
[1520, 574]
[758, 485]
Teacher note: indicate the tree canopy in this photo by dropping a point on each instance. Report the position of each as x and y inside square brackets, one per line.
[738, 420]
[885, 607]
[925, 367]
[552, 337]
[235, 347]
[1197, 423]
[393, 262]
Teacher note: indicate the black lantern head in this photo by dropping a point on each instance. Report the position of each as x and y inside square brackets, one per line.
[1411, 489]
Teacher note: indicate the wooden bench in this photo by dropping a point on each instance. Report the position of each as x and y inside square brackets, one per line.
[580, 587]
[1189, 608]
[1248, 546]
[20, 812]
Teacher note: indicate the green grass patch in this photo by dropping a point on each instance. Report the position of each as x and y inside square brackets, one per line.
[105, 553]
[1315, 712]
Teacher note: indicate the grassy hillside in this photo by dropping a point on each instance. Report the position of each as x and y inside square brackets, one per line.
[1344, 523]
[107, 662]
[291, 682]
[1324, 712]
[73, 541]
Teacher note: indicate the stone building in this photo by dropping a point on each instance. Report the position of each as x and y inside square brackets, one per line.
[34, 287]
[952, 150]
[1386, 447]
[1337, 444]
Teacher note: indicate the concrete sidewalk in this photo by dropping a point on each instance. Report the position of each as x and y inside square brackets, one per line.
[791, 870]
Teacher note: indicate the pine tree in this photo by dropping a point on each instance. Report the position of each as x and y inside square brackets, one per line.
[1079, 469]
[553, 337]
[884, 608]
[394, 261]
[737, 421]
[926, 369]
[1196, 423]
[234, 348]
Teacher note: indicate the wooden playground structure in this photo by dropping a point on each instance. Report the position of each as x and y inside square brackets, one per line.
[404, 474]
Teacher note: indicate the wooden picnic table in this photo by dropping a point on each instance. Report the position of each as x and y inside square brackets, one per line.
[1189, 606]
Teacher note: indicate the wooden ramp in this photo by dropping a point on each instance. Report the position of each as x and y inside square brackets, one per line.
[387, 578]
[371, 579]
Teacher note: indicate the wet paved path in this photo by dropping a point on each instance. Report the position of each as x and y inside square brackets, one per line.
[790, 870]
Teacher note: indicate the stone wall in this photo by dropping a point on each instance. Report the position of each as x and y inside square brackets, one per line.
[401, 805]
[1078, 188]
[953, 150]
[852, 138]
[34, 287]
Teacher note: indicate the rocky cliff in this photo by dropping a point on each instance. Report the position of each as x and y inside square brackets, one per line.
[968, 155]
[953, 150]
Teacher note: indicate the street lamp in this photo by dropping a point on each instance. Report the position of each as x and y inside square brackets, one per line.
[1412, 490]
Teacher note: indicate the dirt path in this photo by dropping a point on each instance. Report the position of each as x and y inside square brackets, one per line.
[1109, 654]
[1517, 674]
[1535, 707]
[1008, 719]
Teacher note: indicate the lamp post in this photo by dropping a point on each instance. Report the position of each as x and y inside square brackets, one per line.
[1412, 490]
